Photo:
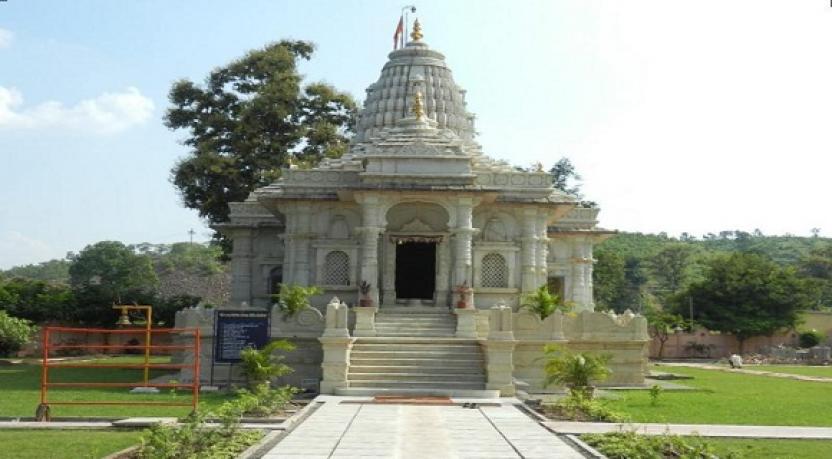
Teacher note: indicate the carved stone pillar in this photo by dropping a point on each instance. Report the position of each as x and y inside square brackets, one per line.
[336, 344]
[463, 235]
[581, 276]
[388, 279]
[443, 257]
[370, 231]
[241, 258]
[528, 251]
[542, 250]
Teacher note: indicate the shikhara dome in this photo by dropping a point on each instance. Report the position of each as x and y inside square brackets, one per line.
[413, 68]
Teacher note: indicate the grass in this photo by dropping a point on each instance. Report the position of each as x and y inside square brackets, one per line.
[732, 398]
[805, 370]
[20, 391]
[770, 449]
[62, 444]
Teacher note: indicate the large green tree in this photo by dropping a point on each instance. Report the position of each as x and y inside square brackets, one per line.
[112, 270]
[671, 267]
[248, 119]
[746, 294]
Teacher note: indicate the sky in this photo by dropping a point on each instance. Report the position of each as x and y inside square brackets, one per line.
[680, 116]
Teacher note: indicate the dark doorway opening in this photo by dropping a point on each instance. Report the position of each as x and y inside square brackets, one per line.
[415, 270]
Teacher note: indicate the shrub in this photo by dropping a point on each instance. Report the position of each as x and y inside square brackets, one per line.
[263, 401]
[261, 365]
[578, 407]
[630, 445]
[14, 333]
[194, 439]
[810, 338]
[543, 303]
[576, 371]
[293, 298]
[655, 392]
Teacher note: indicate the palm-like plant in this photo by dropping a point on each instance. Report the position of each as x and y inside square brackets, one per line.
[293, 298]
[575, 370]
[261, 365]
[543, 303]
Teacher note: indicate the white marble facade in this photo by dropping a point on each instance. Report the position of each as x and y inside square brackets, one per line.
[414, 197]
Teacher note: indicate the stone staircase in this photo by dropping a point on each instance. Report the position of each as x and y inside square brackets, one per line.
[416, 353]
[415, 323]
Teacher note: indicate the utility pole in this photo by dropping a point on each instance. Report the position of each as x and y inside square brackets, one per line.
[191, 233]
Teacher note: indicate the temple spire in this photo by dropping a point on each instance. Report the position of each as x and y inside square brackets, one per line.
[416, 34]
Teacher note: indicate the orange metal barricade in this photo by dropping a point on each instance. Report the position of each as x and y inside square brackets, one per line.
[45, 384]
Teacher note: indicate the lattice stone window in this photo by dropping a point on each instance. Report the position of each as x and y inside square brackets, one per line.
[494, 271]
[337, 268]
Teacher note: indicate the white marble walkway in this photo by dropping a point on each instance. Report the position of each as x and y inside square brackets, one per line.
[353, 430]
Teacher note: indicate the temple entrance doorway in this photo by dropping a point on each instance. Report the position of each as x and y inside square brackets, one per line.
[415, 270]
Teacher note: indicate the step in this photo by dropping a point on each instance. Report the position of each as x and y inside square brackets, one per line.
[396, 310]
[420, 328]
[432, 369]
[458, 364]
[393, 355]
[415, 340]
[393, 346]
[415, 318]
[421, 392]
[438, 378]
[414, 334]
[399, 384]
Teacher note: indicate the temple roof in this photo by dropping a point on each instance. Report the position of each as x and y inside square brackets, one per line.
[413, 68]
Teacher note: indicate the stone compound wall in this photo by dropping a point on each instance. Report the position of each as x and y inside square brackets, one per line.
[622, 336]
[302, 330]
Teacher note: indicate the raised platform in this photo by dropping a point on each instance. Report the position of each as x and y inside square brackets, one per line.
[421, 392]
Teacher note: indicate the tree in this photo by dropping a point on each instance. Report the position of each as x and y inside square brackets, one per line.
[36, 300]
[52, 270]
[670, 267]
[608, 278]
[563, 175]
[661, 324]
[109, 272]
[245, 123]
[816, 266]
[746, 294]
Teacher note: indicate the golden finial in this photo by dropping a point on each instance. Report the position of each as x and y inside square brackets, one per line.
[418, 110]
[416, 34]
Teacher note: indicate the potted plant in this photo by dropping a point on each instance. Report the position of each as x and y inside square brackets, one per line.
[293, 298]
[575, 370]
[464, 292]
[366, 300]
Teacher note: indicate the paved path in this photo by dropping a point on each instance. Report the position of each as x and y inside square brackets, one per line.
[352, 430]
[705, 430]
[748, 371]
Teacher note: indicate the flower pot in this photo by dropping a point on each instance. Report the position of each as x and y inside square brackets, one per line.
[461, 305]
[365, 302]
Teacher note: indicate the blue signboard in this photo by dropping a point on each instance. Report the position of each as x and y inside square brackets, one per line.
[237, 330]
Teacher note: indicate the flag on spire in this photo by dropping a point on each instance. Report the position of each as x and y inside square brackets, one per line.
[397, 37]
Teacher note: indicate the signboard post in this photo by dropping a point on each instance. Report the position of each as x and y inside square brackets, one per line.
[235, 330]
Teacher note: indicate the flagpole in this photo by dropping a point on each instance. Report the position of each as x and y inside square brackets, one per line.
[412, 9]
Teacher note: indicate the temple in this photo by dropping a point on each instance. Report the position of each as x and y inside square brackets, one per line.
[425, 248]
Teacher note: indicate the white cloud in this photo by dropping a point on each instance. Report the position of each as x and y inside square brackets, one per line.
[105, 114]
[17, 249]
[6, 37]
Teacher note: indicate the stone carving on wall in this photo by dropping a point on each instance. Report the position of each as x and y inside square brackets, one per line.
[416, 226]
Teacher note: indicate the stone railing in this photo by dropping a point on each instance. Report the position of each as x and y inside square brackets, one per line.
[336, 343]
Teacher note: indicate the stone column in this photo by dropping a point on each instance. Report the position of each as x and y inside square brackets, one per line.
[241, 258]
[443, 278]
[301, 239]
[542, 250]
[581, 269]
[388, 279]
[463, 234]
[528, 250]
[370, 232]
[499, 351]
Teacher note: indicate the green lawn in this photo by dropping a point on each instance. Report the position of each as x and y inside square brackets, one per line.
[20, 391]
[64, 444]
[823, 372]
[771, 449]
[733, 398]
